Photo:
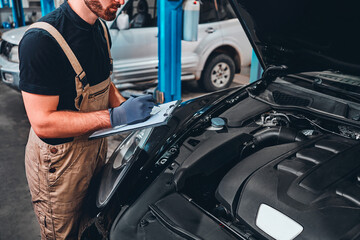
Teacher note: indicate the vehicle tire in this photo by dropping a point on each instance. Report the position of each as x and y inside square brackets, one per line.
[218, 73]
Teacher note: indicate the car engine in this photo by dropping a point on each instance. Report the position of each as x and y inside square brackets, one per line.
[256, 171]
[283, 173]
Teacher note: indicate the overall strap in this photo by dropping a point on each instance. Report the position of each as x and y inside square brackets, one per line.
[108, 43]
[81, 83]
[80, 74]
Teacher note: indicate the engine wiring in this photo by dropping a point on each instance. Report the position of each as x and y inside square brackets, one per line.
[313, 123]
[274, 118]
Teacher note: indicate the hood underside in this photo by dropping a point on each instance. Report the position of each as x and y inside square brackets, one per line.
[303, 35]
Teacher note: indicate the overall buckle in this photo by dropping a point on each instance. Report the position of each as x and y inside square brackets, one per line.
[83, 79]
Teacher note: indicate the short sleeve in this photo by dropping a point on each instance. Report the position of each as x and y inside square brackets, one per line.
[41, 61]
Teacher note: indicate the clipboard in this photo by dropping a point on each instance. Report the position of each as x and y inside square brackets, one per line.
[159, 116]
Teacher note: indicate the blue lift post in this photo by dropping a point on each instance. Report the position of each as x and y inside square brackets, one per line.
[18, 13]
[47, 6]
[169, 48]
[4, 3]
[256, 69]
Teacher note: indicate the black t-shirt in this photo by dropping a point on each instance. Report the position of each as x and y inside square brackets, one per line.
[44, 67]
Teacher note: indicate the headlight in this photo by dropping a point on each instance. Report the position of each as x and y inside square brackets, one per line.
[129, 146]
[119, 164]
[14, 54]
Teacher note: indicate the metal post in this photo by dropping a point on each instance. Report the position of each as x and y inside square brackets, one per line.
[4, 3]
[256, 69]
[18, 13]
[47, 6]
[169, 48]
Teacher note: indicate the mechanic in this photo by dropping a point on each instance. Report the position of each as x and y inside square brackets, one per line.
[65, 68]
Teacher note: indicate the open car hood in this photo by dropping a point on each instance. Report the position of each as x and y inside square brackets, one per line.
[303, 35]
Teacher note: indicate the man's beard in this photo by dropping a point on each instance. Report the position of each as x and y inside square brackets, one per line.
[96, 7]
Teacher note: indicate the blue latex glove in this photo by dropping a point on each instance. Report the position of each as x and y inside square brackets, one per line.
[133, 110]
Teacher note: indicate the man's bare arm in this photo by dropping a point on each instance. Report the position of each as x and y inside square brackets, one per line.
[47, 122]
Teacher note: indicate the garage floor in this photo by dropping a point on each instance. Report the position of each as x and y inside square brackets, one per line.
[17, 220]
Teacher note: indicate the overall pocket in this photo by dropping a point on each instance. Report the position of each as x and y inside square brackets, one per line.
[62, 161]
[71, 171]
[45, 222]
[98, 100]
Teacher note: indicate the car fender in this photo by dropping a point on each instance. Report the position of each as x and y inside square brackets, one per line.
[243, 49]
[212, 48]
[205, 51]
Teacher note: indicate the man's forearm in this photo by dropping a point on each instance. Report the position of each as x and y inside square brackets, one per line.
[48, 122]
[63, 124]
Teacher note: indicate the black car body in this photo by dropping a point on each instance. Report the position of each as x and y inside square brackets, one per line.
[277, 159]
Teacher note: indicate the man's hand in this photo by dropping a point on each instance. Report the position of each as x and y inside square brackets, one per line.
[132, 111]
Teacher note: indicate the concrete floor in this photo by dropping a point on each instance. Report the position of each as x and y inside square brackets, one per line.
[17, 220]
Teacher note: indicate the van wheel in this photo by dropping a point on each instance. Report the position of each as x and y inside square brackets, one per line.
[218, 73]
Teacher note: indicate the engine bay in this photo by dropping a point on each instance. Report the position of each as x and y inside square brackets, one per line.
[257, 171]
[298, 164]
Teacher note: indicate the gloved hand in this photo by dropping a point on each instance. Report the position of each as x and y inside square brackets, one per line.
[133, 110]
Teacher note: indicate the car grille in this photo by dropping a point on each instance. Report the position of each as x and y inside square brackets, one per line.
[5, 48]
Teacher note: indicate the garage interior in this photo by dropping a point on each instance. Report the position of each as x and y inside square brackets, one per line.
[16, 213]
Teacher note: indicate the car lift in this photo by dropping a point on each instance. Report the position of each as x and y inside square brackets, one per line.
[47, 6]
[169, 50]
[18, 11]
[4, 3]
[177, 20]
[170, 24]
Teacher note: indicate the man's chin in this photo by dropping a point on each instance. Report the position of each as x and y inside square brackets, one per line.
[109, 16]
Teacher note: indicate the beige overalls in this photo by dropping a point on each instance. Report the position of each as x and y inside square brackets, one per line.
[59, 175]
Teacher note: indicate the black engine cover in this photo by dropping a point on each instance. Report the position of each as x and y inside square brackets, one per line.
[316, 183]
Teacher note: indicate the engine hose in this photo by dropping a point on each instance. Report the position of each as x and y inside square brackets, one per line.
[277, 135]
